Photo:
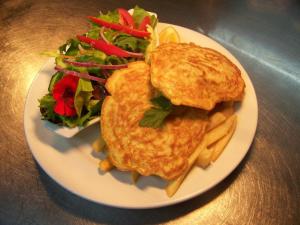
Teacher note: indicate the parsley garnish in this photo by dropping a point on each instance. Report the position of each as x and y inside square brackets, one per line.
[155, 116]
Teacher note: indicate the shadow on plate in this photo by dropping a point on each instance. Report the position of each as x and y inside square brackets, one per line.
[98, 213]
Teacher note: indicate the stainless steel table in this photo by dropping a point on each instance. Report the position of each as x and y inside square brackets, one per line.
[263, 35]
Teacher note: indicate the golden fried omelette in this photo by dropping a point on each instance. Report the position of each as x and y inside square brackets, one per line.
[163, 151]
[190, 75]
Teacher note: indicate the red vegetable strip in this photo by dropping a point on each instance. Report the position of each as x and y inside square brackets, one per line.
[103, 46]
[146, 21]
[132, 54]
[108, 48]
[81, 75]
[119, 27]
[92, 64]
[126, 17]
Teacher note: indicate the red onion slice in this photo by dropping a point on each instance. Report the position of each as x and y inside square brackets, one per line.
[102, 34]
[135, 54]
[80, 75]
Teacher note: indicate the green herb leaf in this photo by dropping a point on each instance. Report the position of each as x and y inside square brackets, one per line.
[155, 116]
[162, 102]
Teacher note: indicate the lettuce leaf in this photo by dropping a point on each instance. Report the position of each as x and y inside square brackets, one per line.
[93, 108]
[70, 47]
[83, 95]
[94, 33]
[115, 60]
[110, 16]
[47, 104]
[139, 14]
[131, 43]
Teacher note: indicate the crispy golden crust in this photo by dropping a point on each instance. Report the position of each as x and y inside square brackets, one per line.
[194, 76]
[164, 151]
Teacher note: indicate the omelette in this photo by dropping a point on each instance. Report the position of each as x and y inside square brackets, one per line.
[163, 151]
[193, 76]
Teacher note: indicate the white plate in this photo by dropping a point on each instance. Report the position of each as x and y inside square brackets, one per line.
[71, 163]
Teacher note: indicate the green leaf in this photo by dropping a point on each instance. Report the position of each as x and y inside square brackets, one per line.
[70, 47]
[82, 95]
[110, 16]
[153, 20]
[94, 33]
[131, 43]
[54, 79]
[138, 15]
[63, 48]
[94, 106]
[161, 102]
[89, 58]
[73, 48]
[82, 120]
[115, 60]
[99, 55]
[47, 104]
[110, 34]
[154, 117]
[69, 121]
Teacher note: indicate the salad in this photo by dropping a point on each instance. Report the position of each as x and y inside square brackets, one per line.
[83, 64]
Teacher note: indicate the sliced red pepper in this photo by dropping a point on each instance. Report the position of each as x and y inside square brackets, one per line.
[103, 46]
[119, 27]
[146, 21]
[127, 18]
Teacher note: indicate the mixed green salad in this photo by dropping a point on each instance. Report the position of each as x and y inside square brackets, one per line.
[76, 91]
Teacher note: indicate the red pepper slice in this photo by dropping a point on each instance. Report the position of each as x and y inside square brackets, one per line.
[127, 18]
[119, 27]
[103, 46]
[146, 21]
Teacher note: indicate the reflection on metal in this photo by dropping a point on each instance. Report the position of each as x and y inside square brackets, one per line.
[258, 51]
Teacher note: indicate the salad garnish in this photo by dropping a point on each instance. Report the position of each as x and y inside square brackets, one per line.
[76, 91]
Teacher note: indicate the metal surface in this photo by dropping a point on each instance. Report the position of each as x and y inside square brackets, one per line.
[263, 35]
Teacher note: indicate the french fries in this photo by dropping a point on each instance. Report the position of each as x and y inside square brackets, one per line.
[99, 144]
[220, 131]
[215, 120]
[105, 165]
[218, 147]
[173, 185]
[134, 176]
[204, 158]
